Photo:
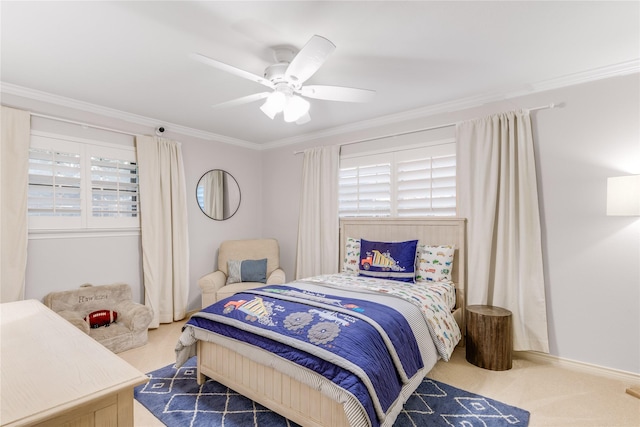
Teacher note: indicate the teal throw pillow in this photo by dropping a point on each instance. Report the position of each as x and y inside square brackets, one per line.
[249, 270]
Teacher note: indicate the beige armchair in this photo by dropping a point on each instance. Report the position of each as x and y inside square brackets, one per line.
[213, 285]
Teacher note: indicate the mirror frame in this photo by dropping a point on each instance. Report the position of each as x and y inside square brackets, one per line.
[237, 186]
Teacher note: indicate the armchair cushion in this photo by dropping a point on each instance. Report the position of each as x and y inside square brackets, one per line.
[75, 319]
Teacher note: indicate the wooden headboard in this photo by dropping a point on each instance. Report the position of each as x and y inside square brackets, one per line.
[429, 231]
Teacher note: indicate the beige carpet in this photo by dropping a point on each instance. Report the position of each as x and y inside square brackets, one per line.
[555, 396]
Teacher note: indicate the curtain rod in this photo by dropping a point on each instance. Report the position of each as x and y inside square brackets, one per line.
[375, 138]
[83, 124]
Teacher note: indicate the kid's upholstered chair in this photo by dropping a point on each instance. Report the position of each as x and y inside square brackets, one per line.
[242, 266]
[119, 332]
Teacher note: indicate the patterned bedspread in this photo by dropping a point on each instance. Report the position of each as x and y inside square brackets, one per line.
[367, 348]
[430, 298]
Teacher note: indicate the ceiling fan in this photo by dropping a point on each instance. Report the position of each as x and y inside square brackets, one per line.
[286, 80]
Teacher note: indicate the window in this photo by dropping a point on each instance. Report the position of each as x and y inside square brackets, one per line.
[365, 189]
[114, 186]
[54, 182]
[81, 184]
[409, 182]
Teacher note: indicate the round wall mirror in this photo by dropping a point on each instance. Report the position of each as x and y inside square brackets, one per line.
[218, 194]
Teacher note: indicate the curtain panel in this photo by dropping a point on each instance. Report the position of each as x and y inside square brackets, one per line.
[498, 194]
[163, 227]
[214, 194]
[318, 227]
[14, 187]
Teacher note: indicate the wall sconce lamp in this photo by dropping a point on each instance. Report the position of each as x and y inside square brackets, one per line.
[623, 196]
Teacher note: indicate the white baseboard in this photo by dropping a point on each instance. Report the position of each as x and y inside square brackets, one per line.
[616, 374]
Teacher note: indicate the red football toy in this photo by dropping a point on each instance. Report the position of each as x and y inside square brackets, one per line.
[101, 318]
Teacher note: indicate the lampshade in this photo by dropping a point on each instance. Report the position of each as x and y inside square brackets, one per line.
[306, 118]
[623, 195]
[295, 109]
[274, 104]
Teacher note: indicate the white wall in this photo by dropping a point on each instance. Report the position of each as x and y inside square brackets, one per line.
[597, 135]
[592, 261]
[205, 234]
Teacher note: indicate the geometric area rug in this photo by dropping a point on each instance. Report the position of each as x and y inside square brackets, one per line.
[175, 398]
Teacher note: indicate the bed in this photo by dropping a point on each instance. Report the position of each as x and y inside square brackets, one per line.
[300, 393]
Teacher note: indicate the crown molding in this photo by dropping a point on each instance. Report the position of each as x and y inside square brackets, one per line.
[615, 70]
[621, 69]
[11, 89]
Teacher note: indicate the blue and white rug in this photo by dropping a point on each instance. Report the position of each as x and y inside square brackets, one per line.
[175, 398]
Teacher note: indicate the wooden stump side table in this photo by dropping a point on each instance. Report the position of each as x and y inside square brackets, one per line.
[489, 338]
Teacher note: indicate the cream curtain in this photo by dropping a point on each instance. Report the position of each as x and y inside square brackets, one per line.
[318, 225]
[14, 185]
[214, 194]
[497, 193]
[163, 224]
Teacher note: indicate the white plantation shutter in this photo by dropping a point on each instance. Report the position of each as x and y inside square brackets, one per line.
[426, 182]
[114, 187]
[74, 184]
[409, 182]
[365, 190]
[55, 195]
[54, 183]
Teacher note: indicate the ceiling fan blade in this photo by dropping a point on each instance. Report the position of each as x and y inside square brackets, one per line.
[309, 59]
[231, 69]
[244, 100]
[337, 93]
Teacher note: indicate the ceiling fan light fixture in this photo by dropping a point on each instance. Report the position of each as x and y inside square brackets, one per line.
[295, 109]
[306, 118]
[274, 104]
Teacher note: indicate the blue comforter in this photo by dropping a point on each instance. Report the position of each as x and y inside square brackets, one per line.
[364, 347]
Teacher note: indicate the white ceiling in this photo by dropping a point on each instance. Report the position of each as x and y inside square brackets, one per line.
[132, 56]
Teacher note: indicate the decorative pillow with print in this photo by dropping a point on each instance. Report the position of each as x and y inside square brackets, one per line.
[351, 256]
[435, 263]
[388, 260]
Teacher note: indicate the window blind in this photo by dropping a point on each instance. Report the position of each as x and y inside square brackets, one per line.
[365, 190]
[77, 184]
[114, 187]
[54, 183]
[427, 186]
[416, 181]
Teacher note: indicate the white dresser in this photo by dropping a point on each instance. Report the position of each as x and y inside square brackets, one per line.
[54, 374]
